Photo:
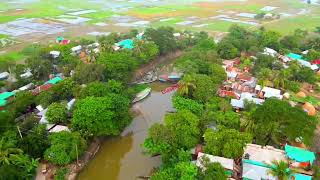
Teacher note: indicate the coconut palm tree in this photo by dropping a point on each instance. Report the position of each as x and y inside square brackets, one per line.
[186, 86]
[248, 124]
[8, 153]
[280, 169]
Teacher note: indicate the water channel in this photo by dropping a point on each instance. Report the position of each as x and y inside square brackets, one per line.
[122, 157]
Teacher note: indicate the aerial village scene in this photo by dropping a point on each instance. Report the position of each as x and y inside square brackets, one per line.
[160, 89]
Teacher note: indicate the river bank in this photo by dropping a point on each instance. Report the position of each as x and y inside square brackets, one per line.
[122, 157]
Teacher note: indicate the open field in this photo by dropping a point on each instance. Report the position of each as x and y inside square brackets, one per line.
[29, 21]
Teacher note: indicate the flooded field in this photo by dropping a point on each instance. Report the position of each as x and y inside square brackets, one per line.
[122, 157]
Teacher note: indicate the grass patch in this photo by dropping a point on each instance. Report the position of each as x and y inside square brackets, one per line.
[12, 56]
[99, 15]
[171, 22]
[247, 8]
[288, 25]
[222, 26]
[3, 36]
[312, 100]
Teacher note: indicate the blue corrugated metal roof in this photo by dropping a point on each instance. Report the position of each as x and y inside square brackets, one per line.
[127, 44]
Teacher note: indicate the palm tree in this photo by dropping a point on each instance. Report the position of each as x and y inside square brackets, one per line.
[248, 124]
[280, 78]
[280, 169]
[8, 153]
[186, 86]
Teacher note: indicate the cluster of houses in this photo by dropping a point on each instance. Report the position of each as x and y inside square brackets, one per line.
[241, 86]
[257, 162]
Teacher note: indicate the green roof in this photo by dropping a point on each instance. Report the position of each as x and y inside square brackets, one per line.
[54, 80]
[6, 95]
[60, 38]
[127, 44]
[3, 102]
[248, 161]
[299, 155]
[294, 56]
[302, 177]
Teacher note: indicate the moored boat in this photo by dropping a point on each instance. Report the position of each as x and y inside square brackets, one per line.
[141, 95]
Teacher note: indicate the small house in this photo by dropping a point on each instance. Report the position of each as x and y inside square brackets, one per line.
[267, 92]
[26, 75]
[304, 63]
[257, 161]
[176, 34]
[227, 164]
[58, 128]
[26, 87]
[125, 44]
[299, 158]
[294, 56]
[232, 76]
[270, 52]
[76, 50]
[54, 54]
[5, 97]
[4, 75]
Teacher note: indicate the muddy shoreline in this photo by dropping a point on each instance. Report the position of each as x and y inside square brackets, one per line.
[95, 146]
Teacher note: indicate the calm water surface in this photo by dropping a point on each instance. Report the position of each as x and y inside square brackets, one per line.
[122, 157]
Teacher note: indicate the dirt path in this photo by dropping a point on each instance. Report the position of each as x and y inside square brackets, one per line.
[154, 63]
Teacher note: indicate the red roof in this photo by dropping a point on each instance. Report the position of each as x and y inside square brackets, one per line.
[244, 77]
[41, 88]
[65, 41]
[317, 61]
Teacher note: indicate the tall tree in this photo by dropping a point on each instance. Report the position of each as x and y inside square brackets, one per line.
[280, 169]
[57, 113]
[276, 119]
[227, 143]
[101, 115]
[64, 147]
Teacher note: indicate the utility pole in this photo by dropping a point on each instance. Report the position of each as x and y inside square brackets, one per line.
[19, 131]
[77, 155]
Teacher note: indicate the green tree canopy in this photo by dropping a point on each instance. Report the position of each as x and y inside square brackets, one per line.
[276, 119]
[227, 143]
[101, 115]
[57, 113]
[213, 171]
[180, 130]
[85, 73]
[163, 38]
[182, 170]
[181, 103]
[36, 142]
[118, 65]
[64, 147]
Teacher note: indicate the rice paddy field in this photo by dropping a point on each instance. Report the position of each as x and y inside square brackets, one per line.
[42, 20]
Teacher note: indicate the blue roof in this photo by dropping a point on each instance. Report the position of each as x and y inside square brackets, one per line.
[294, 56]
[127, 44]
[248, 161]
[299, 155]
[302, 177]
[54, 80]
[6, 95]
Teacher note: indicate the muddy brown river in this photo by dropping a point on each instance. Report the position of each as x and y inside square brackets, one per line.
[122, 157]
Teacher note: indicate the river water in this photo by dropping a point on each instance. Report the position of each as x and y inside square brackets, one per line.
[122, 157]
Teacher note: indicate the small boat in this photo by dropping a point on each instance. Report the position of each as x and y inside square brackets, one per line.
[163, 78]
[174, 78]
[141, 95]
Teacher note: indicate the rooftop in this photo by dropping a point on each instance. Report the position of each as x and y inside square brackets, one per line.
[226, 163]
[265, 154]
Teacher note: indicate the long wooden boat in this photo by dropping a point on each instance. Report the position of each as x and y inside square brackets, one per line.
[141, 95]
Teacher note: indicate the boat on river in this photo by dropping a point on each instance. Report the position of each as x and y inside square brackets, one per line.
[141, 95]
